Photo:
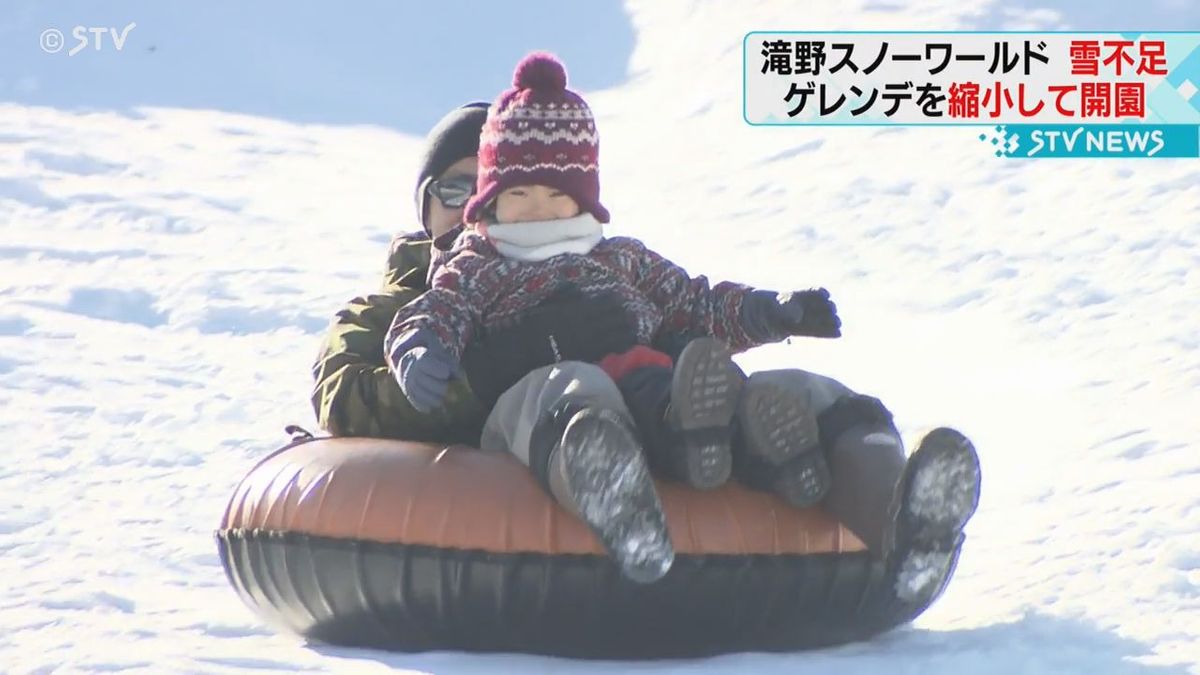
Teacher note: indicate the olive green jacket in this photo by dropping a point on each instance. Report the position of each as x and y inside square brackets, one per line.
[356, 395]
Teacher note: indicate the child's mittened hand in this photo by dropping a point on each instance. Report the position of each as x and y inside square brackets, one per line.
[810, 313]
[424, 373]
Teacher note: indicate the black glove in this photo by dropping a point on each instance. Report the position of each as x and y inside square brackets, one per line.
[768, 316]
[566, 327]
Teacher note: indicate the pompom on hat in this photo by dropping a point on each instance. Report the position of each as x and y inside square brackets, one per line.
[539, 133]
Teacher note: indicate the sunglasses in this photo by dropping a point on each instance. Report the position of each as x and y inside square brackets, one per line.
[453, 192]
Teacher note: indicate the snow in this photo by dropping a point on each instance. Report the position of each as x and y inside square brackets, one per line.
[171, 256]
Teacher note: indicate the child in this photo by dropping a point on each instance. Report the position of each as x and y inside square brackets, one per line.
[537, 231]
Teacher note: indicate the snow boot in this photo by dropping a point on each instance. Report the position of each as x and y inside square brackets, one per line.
[685, 413]
[705, 387]
[937, 494]
[780, 449]
[597, 471]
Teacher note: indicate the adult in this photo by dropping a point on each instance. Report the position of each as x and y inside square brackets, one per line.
[873, 490]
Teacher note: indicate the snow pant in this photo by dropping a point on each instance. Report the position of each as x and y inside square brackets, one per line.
[528, 418]
[864, 450]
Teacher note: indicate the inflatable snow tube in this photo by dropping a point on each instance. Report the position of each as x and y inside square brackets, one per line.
[413, 547]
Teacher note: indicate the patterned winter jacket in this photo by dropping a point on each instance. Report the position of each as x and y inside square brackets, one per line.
[475, 288]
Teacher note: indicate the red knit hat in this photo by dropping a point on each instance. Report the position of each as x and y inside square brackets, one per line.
[539, 133]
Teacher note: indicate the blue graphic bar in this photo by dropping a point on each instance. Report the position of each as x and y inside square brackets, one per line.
[1034, 141]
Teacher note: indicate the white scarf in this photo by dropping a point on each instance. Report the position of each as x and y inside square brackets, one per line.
[543, 239]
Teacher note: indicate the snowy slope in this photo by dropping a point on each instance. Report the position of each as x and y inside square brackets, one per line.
[165, 274]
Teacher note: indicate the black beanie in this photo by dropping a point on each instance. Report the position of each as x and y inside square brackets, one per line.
[454, 137]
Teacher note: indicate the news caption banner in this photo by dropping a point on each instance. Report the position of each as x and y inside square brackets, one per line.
[1043, 94]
